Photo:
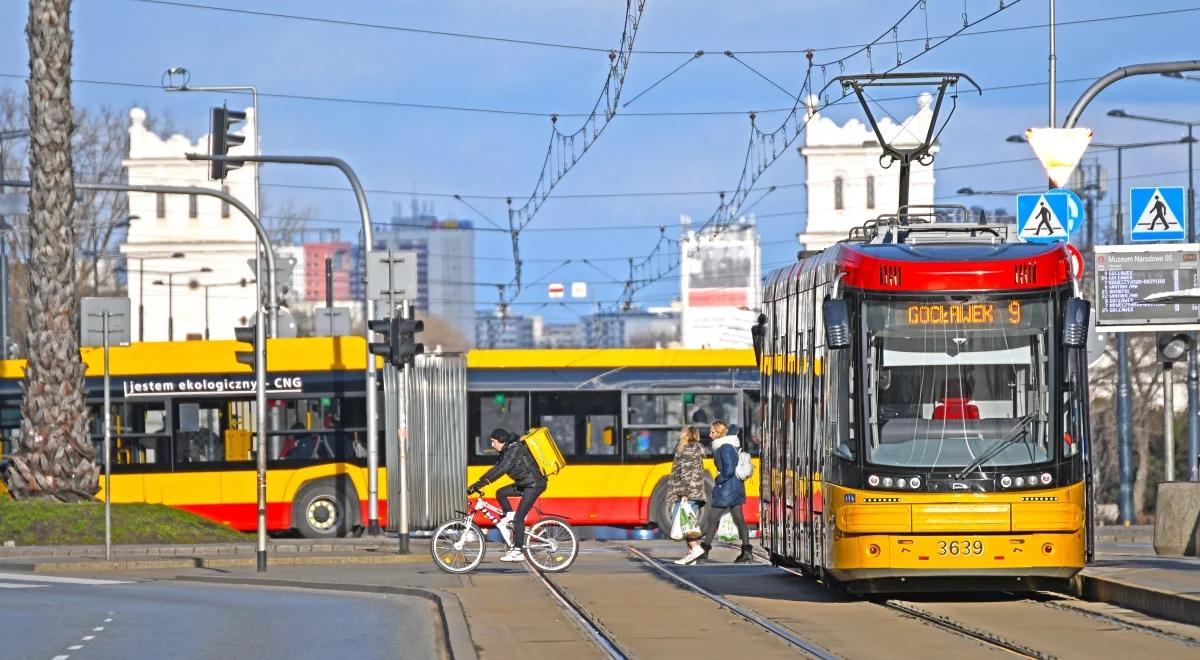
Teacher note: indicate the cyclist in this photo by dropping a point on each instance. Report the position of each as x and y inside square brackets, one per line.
[528, 483]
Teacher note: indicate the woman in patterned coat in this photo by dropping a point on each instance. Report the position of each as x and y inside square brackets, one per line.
[687, 483]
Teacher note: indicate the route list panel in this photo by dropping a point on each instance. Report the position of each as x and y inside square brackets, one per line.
[1125, 275]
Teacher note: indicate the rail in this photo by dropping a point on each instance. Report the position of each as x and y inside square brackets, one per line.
[580, 616]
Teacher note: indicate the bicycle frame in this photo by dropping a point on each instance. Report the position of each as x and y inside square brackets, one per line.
[493, 513]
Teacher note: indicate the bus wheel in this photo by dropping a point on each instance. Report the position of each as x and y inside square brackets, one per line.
[323, 510]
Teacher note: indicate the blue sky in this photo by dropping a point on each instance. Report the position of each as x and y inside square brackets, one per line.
[131, 42]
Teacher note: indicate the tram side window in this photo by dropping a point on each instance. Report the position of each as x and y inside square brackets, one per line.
[499, 410]
[198, 437]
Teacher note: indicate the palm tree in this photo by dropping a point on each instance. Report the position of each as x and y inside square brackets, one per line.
[54, 457]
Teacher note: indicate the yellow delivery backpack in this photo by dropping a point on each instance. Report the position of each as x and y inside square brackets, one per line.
[545, 451]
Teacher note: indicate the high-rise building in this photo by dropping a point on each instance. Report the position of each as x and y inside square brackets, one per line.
[445, 264]
[508, 331]
[719, 284]
[846, 182]
[313, 273]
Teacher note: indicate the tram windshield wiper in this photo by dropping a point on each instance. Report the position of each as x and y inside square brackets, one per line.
[1012, 435]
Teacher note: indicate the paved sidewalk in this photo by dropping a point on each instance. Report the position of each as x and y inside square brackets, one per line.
[1166, 587]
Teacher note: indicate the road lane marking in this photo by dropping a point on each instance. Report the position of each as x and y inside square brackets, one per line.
[98, 628]
[21, 577]
[60, 657]
[75, 648]
[4, 585]
[88, 638]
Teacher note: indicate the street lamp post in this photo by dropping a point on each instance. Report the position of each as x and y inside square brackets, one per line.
[1193, 371]
[170, 283]
[142, 289]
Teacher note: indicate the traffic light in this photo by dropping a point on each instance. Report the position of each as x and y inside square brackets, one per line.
[407, 347]
[385, 348]
[1172, 346]
[245, 334]
[222, 138]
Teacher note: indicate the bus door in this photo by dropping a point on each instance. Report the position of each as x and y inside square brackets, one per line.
[199, 453]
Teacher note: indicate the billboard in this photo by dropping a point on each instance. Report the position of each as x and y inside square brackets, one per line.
[1126, 275]
[719, 284]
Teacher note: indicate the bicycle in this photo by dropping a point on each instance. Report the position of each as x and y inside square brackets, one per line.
[459, 545]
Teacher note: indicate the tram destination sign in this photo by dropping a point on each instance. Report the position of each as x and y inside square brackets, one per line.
[1127, 274]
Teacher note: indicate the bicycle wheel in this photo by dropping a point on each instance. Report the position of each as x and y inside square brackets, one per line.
[551, 545]
[458, 546]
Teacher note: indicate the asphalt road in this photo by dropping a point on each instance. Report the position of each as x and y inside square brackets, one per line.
[59, 618]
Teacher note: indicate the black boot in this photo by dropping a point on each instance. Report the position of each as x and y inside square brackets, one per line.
[703, 557]
[746, 557]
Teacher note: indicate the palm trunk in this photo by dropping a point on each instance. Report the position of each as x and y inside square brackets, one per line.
[54, 457]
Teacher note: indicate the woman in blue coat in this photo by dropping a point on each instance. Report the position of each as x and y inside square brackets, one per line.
[729, 493]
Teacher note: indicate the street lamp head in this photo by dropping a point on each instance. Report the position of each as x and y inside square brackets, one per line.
[159, 283]
[206, 269]
[1172, 74]
[177, 255]
[1016, 138]
[966, 191]
[1188, 139]
[1117, 112]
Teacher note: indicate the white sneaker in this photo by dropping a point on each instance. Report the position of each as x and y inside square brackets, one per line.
[691, 557]
[514, 554]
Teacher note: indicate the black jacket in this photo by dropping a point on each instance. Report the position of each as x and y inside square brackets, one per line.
[516, 462]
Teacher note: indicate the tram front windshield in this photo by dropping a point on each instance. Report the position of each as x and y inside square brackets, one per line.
[957, 382]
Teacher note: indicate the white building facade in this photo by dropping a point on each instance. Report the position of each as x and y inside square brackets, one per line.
[846, 181]
[186, 255]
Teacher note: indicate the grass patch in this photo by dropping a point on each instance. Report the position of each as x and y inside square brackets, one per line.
[37, 522]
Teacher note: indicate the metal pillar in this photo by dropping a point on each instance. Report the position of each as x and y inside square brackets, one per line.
[1193, 370]
[1169, 420]
[406, 312]
[1124, 390]
[1053, 69]
[107, 442]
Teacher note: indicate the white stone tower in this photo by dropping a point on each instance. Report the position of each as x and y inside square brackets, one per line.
[846, 183]
[214, 239]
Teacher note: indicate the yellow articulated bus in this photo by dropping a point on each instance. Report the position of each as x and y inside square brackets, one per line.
[616, 415]
[184, 425]
[184, 422]
[926, 411]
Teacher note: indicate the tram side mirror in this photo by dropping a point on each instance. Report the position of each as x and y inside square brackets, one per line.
[837, 323]
[758, 333]
[1075, 323]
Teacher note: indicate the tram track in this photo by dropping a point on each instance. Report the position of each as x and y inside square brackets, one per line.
[791, 637]
[581, 616]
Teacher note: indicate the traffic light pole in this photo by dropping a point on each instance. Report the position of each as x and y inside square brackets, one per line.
[260, 369]
[372, 377]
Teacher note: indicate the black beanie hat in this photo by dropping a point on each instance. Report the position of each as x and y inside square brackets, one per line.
[500, 434]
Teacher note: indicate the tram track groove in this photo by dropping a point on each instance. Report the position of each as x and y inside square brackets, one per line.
[810, 648]
[1064, 604]
[945, 623]
[581, 616]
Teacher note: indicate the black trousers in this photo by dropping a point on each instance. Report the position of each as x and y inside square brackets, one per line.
[714, 521]
[528, 495]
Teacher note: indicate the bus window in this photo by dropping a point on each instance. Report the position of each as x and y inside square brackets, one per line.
[579, 421]
[601, 435]
[641, 443]
[498, 410]
[704, 408]
[198, 437]
[10, 429]
[655, 410]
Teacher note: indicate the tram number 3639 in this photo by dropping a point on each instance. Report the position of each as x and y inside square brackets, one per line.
[957, 548]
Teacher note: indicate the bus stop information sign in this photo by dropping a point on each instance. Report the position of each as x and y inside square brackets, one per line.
[1127, 274]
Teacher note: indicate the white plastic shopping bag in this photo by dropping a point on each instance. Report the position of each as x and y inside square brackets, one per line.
[727, 530]
[684, 522]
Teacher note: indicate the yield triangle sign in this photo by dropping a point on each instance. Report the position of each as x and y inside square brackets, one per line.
[1042, 217]
[1059, 149]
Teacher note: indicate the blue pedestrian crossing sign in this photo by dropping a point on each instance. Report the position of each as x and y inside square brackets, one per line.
[1157, 213]
[1043, 217]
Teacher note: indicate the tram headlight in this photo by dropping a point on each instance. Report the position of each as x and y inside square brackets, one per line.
[887, 482]
[1046, 478]
[1020, 481]
[1006, 481]
[873, 480]
[900, 482]
[915, 482]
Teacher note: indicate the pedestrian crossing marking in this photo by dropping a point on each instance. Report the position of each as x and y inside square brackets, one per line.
[53, 579]
[1042, 217]
[1158, 213]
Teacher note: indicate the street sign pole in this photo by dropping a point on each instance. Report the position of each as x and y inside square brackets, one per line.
[97, 318]
[107, 442]
[1169, 419]
[402, 448]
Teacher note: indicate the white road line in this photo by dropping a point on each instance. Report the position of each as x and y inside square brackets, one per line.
[88, 638]
[75, 648]
[60, 657]
[5, 585]
[108, 621]
[25, 577]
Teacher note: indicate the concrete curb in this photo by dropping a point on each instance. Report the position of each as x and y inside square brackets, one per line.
[205, 562]
[456, 632]
[1184, 608]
